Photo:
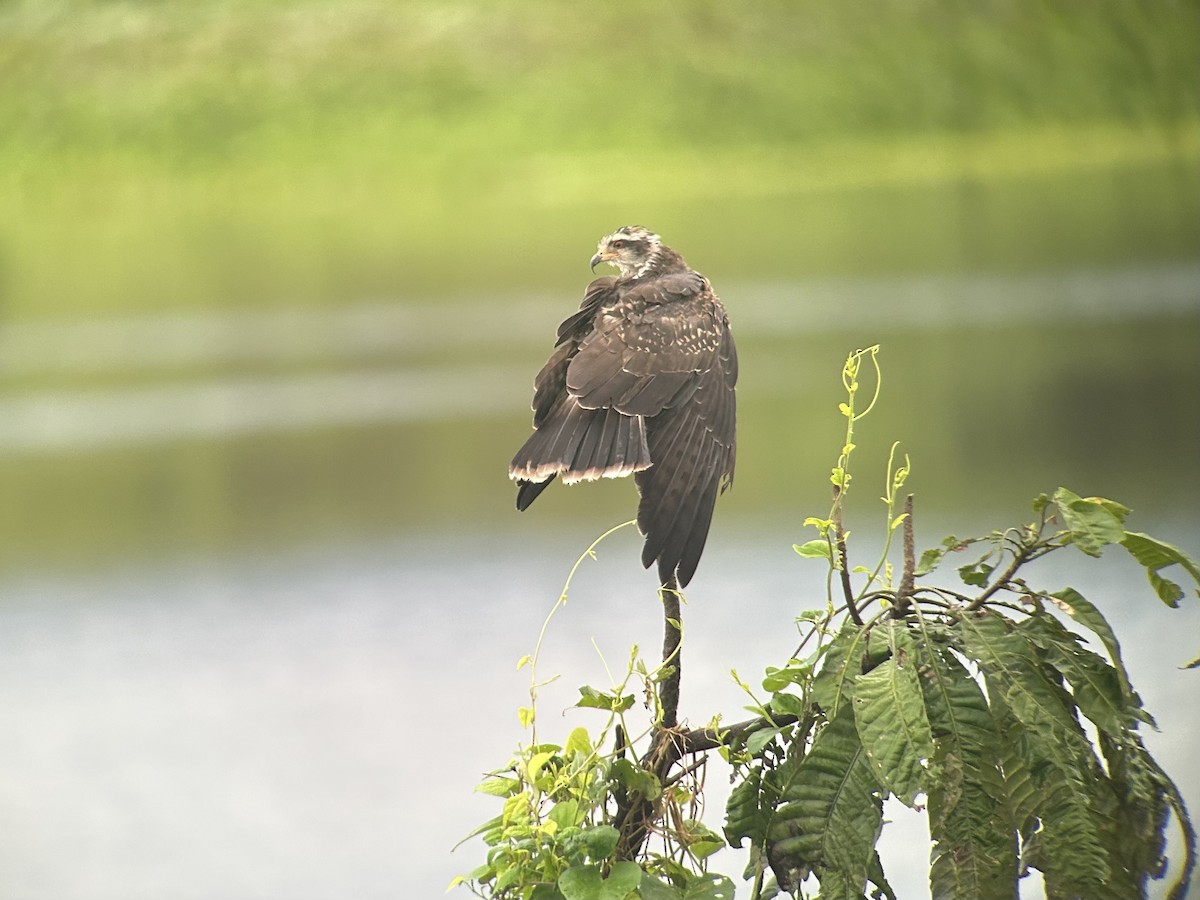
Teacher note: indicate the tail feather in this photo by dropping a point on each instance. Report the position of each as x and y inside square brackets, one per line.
[579, 444]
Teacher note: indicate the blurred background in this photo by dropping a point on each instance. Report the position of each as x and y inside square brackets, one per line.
[275, 278]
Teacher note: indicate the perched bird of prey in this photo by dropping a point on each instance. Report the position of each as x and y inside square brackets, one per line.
[641, 382]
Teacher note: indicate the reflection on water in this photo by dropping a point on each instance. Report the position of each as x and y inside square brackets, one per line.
[158, 436]
[311, 724]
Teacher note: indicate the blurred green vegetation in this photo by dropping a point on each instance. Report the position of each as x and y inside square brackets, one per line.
[174, 157]
[167, 155]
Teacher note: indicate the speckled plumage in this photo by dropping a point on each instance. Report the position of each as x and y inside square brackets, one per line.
[641, 381]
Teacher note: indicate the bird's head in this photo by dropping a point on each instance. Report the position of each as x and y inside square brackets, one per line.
[632, 249]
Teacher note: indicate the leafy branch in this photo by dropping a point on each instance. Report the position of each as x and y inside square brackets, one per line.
[1001, 708]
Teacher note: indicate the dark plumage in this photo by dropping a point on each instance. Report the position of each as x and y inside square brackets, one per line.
[641, 381]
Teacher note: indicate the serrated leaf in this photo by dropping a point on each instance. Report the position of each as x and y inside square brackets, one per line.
[889, 713]
[1083, 611]
[1069, 847]
[974, 852]
[1096, 686]
[841, 665]
[1155, 555]
[1092, 525]
[832, 813]
[744, 816]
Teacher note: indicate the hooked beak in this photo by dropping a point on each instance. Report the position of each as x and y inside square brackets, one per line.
[596, 260]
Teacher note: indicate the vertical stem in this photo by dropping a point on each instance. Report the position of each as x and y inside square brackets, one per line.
[904, 593]
[840, 542]
[668, 693]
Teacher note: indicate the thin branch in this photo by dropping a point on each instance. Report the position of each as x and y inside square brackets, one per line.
[1020, 557]
[840, 536]
[904, 594]
[668, 692]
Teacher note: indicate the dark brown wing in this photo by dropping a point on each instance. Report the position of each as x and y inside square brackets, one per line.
[570, 439]
[645, 350]
[693, 447]
[664, 351]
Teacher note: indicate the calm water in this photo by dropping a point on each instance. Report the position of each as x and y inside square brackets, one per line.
[310, 724]
[262, 590]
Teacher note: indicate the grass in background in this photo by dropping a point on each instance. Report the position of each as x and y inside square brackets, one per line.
[170, 155]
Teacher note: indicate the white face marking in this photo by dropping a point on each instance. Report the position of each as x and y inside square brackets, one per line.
[629, 258]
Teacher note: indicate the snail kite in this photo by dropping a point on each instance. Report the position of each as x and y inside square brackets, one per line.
[641, 382]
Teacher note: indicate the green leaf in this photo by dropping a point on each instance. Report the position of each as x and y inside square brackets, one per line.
[590, 698]
[587, 882]
[1156, 555]
[929, 561]
[815, 549]
[1083, 611]
[498, 786]
[778, 679]
[565, 813]
[832, 812]
[578, 741]
[974, 852]
[635, 778]
[1093, 526]
[600, 841]
[1097, 687]
[976, 574]
[787, 704]
[744, 815]
[1012, 668]
[889, 713]
[841, 665]
[700, 887]
[1040, 715]
[760, 739]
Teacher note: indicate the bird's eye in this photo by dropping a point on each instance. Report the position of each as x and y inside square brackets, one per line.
[618, 245]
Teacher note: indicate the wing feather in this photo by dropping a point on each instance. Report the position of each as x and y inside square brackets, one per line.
[641, 381]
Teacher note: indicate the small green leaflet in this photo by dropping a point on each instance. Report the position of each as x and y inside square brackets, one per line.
[1093, 525]
[1156, 555]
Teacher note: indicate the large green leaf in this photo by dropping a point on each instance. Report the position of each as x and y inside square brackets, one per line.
[1083, 611]
[832, 811]
[974, 852]
[1093, 525]
[1096, 685]
[744, 813]
[1156, 555]
[1069, 847]
[702, 887]
[841, 665]
[588, 883]
[1011, 666]
[889, 713]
